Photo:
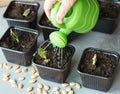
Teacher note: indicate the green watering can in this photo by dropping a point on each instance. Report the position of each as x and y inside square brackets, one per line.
[81, 18]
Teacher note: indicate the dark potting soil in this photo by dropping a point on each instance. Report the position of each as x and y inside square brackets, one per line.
[45, 21]
[104, 66]
[53, 58]
[109, 10]
[16, 11]
[26, 40]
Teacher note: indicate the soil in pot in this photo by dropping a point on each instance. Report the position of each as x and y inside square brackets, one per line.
[21, 11]
[45, 21]
[25, 42]
[104, 66]
[56, 57]
[109, 10]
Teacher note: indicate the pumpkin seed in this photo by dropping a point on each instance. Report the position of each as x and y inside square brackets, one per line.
[70, 92]
[33, 70]
[29, 89]
[44, 92]
[65, 84]
[64, 92]
[12, 81]
[6, 75]
[78, 86]
[25, 70]
[39, 90]
[21, 78]
[68, 89]
[16, 67]
[47, 87]
[14, 85]
[1, 65]
[40, 86]
[18, 70]
[20, 86]
[32, 81]
[72, 83]
[56, 89]
[5, 78]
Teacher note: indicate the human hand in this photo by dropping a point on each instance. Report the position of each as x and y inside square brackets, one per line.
[64, 8]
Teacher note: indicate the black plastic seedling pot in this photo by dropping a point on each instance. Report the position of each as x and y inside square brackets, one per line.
[48, 72]
[108, 18]
[15, 14]
[100, 75]
[46, 26]
[19, 52]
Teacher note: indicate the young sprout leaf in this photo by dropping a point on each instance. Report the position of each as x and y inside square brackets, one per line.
[94, 59]
[14, 35]
[42, 53]
[26, 12]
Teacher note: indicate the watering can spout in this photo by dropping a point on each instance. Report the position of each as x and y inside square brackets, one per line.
[59, 38]
[81, 18]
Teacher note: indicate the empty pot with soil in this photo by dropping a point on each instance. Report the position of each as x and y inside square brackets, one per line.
[53, 63]
[97, 68]
[18, 45]
[108, 17]
[22, 13]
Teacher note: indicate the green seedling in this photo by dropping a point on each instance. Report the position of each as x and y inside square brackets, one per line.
[14, 35]
[26, 12]
[42, 53]
[94, 59]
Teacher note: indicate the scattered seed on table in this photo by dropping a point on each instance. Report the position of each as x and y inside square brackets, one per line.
[18, 70]
[34, 76]
[68, 89]
[72, 83]
[65, 84]
[25, 70]
[5, 78]
[16, 67]
[21, 78]
[78, 86]
[39, 90]
[70, 92]
[4, 65]
[14, 85]
[57, 92]
[1, 65]
[37, 74]
[33, 70]
[44, 92]
[47, 87]
[64, 92]
[9, 67]
[33, 81]
[12, 81]
[6, 75]
[56, 89]
[40, 85]
[29, 89]
[20, 86]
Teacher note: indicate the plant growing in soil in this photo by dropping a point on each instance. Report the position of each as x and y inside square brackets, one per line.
[94, 59]
[26, 12]
[14, 35]
[51, 61]
[43, 54]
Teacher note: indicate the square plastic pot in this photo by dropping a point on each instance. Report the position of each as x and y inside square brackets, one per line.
[95, 81]
[19, 57]
[55, 74]
[30, 22]
[106, 24]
